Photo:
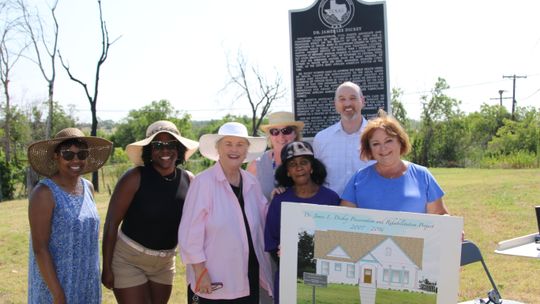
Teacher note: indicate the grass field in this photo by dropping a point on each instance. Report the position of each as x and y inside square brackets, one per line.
[342, 293]
[496, 205]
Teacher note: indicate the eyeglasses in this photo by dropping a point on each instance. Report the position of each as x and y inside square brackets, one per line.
[285, 131]
[69, 155]
[169, 145]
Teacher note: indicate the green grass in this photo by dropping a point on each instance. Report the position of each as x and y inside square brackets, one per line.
[342, 293]
[496, 204]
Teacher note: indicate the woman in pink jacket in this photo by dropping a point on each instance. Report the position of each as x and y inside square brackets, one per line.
[221, 232]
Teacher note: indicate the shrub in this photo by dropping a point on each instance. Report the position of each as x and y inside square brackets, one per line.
[517, 160]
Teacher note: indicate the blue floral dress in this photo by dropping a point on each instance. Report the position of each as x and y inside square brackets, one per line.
[74, 248]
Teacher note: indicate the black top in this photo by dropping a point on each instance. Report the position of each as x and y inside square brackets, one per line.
[153, 217]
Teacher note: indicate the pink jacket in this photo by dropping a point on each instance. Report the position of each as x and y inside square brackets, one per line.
[212, 230]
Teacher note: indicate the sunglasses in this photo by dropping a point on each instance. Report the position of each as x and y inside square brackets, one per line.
[285, 131]
[69, 155]
[161, 145]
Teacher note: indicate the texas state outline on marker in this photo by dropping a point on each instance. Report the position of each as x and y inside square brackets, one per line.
[338, 10]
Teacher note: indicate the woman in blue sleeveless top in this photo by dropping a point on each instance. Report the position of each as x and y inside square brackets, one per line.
[64, 223]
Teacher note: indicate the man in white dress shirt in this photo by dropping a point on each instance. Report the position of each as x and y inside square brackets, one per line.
[338, 146]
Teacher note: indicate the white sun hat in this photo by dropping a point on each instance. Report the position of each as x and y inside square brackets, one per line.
[207, 142]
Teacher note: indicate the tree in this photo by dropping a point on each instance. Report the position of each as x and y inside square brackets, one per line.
[134, 127]
[11, 50]
[252, 85]
[61, 119]
[92, 99]
[483, 125]
[306, 248]
[33, 26]
[439, 142]
[398, 110]
[520, 135]
[20, 134]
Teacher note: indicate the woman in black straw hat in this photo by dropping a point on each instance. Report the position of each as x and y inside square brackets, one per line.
[139, 258]
[64, 223]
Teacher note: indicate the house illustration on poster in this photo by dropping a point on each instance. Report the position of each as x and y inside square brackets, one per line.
[369, 261]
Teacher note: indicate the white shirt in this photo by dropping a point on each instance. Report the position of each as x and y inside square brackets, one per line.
[340, 153]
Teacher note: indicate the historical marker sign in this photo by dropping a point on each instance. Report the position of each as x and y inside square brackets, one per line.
[334, 41]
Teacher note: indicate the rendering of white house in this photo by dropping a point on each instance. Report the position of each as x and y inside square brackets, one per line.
[369, 261]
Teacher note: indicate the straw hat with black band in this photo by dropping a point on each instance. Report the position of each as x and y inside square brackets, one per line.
[41, 153]
[282, 118]
[134, 150]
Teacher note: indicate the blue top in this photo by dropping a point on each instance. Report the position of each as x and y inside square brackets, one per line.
[410, 192]
[74, 248]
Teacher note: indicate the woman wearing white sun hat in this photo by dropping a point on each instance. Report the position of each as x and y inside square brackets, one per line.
[221, 232]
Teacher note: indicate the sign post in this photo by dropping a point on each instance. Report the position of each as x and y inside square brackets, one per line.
[315, 280]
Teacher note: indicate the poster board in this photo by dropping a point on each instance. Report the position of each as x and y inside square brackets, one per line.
[368, 254]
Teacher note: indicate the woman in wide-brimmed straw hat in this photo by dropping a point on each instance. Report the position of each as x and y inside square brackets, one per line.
[139, 258]
[64, 222]
[280, 130]
[221, 232]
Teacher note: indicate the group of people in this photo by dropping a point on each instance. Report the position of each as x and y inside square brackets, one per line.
[225, 221]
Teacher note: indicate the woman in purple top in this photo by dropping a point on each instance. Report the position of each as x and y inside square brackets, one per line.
[303, 176]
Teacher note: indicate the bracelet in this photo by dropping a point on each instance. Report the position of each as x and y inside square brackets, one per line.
[199, 279]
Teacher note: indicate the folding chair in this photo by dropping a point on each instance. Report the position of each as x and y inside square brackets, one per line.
[470, 253]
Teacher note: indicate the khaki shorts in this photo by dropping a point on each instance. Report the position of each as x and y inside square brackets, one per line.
[131, 267]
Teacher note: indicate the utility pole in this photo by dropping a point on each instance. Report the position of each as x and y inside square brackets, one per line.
[500, 98]
[513, 92]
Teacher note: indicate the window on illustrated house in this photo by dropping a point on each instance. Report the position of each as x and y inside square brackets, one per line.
[386, 275]
[350, 270]
[395, 276]
[405, 277]
[337, 267]
[325, 267]
[388, 251]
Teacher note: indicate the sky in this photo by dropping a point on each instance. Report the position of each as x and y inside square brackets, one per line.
[178, 50]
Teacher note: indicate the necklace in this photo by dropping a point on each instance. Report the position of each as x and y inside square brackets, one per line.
[170, 179]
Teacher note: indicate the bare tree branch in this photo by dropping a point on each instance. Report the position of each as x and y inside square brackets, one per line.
[11, 51]
[92, 99]
[251, 85]
[38, 39]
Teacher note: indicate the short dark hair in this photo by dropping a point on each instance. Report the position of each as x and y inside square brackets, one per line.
[77, 142]
[147, 154]
[318, 176]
